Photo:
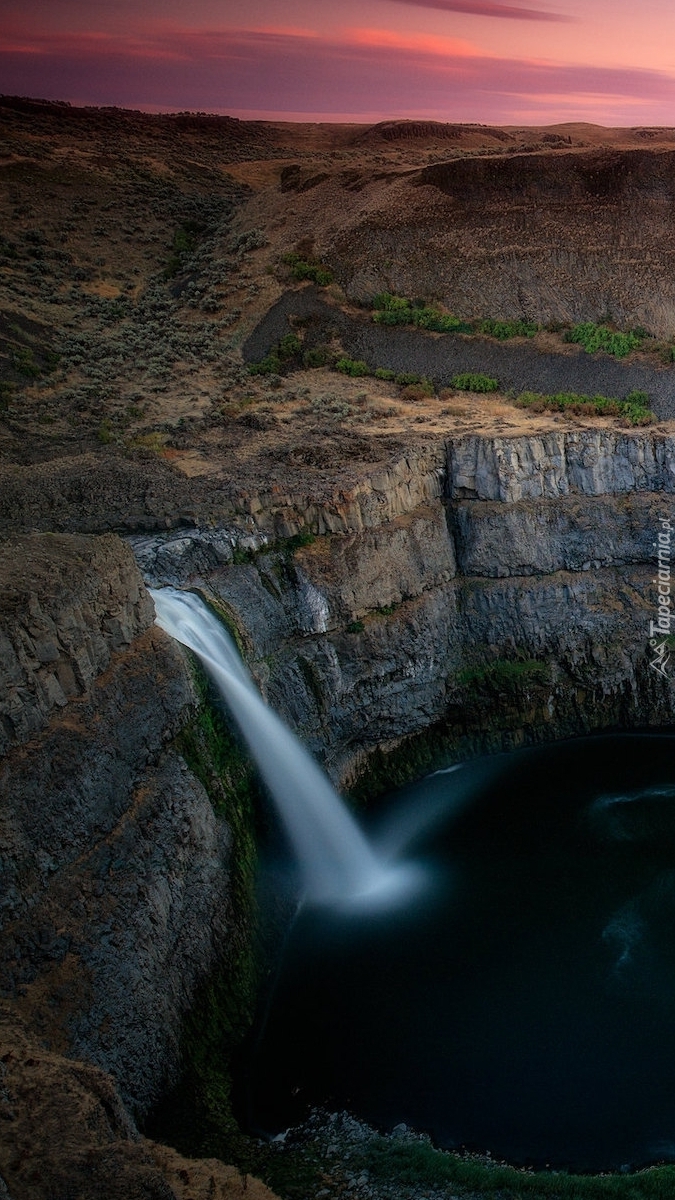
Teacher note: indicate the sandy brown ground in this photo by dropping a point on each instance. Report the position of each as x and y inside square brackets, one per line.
[91, 202]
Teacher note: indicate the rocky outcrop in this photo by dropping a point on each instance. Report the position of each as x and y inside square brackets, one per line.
[65, 1133]
[572, 533]
[535, 550]
[68, 605]
[92, 494]
[113, 866]
[393, 562]
[355, 690]
[549, 237]
[584, 463]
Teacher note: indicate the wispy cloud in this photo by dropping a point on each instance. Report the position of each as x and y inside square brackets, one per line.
[408, 43]
[486, 8]
[362, 72]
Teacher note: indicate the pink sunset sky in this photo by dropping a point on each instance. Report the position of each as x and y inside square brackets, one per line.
[520, 62]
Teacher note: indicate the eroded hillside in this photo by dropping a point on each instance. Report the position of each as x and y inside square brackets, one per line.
[139, 253]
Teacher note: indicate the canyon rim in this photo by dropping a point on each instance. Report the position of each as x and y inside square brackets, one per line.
[398, 401]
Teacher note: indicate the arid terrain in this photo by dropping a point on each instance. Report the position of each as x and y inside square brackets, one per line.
[139, 253]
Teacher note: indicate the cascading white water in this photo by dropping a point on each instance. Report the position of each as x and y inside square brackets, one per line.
[336, 859]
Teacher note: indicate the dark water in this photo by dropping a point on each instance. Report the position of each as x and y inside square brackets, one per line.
[524, 1001]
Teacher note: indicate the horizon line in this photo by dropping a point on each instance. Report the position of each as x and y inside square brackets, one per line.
[295, 118]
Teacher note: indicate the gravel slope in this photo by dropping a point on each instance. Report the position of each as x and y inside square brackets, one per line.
[518, 365]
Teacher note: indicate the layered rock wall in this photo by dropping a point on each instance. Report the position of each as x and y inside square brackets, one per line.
[585, 462]
[493, 590]
[530, 550]
[68, 605]
[113, 866]
[581, 235]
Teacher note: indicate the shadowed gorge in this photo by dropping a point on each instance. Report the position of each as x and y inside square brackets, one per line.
[523, 1002]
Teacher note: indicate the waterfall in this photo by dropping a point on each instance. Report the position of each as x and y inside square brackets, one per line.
[335, 858]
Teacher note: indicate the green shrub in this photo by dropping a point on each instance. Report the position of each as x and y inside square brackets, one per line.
[405, 378]
[600, 337]
[285, 546]
[355, 627]
[270, 365]
[317, 357]
[302, 268]
[385, 374]
[355, 367]
[397, 310]
[25, 363]
[392, 310]
[505, 675]
[439, 322]
[418, 391]
[475, 383]
[185, 242]
[289, 347]
[284, 354]
[305, 538]
[509, 329]
[187, 236]
[7, 393]
[7, 248]
[634, 408]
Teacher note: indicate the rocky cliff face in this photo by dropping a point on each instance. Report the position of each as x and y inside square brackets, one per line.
[113, 865]
[473, 594]
[565, 236]
[588, 463]
[499, 586]
[65, 1133]
[68, 606]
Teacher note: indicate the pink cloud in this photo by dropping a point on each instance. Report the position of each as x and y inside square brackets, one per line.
[91, 45]
[409, 43]
[485, 8]
[363, 72]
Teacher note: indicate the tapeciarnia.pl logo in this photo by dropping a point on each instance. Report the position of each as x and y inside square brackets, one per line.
[664, 608]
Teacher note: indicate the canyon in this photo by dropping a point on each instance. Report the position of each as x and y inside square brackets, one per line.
[482, 594]
[411, 582]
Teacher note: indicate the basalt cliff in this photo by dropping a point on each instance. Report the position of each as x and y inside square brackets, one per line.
[413, 578]
[474, 594]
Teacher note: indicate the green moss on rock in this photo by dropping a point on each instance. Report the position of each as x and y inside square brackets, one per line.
[196, 1116]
